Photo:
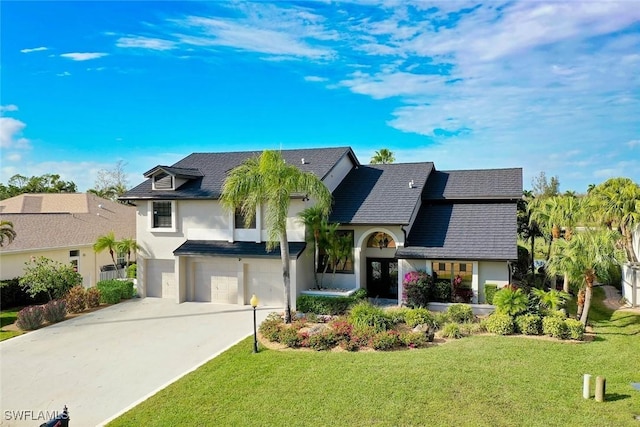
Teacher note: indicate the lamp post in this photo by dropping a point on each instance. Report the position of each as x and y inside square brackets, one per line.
[254, 304]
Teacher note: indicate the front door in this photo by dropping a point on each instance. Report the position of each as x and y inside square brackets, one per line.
[382, 278]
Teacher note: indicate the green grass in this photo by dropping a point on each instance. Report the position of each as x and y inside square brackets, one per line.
[7, 317]
[479, 381]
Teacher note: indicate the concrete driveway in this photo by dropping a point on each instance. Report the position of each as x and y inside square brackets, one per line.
[101, 363]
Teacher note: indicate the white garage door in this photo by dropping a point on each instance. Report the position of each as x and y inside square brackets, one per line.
[216, 281]
[264, 279]
[160, 278]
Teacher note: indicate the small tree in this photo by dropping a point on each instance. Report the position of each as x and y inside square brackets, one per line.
[46, 275]
[127, 246]
[108, 241]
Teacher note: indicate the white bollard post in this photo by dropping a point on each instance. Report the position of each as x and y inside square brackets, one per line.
[586, 386]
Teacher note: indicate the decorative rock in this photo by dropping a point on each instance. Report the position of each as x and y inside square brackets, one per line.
[317, 329]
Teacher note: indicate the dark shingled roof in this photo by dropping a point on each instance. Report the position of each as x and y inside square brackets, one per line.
[474, 184]
[235, 249]
[186, 172]
[380, 194]
[215, 166]
[478, 231]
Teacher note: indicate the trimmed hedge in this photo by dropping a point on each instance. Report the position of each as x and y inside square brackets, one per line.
[111, 291]
[321, 304]
[489, 292]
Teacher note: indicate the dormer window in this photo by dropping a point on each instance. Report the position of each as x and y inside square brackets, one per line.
[162, 181]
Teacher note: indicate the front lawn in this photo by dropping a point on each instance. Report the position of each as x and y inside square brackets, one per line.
[7, 317]
[479, 381]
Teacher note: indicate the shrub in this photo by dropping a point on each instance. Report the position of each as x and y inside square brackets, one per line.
[417, 288]
[441, 291]
[270, 328]
[46, 275]
[126, 289]
[325, 340]
[397, 314]
[320, 304]
[132, 271]
[460, 313]
[555, 327]
[557, 313]
[367, 314]
[414, 339]
[385, 340]
[30, 318]
[489, 291]
[92, 297]
[451, 330]
[289, 337]
[470, 328]
[349, 345]
[440, 318]
[362, 335]
[359, 295]
[419, 316]
[109, 295]
[13, 295]
[552, 299]
[529, 324]
[342, 329]
[55, 311]
[500, 324]
[575, 329]
[510, 301]
[76, 299]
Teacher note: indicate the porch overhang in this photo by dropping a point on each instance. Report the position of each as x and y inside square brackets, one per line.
[235, 249]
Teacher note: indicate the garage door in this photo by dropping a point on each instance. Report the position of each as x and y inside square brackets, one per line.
[264, 279]
[216, 281]
[160, 278]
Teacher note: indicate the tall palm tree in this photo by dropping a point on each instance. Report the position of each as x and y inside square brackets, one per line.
[127, 245]
[587, 257]
[616, 202]
[383, 156]
[6, 232]
[108, 241]
[312, 218]
[270, 182]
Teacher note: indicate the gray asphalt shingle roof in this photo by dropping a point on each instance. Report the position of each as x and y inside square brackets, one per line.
[479, 231]
[235, 249]
[215, 166]
[380, 194]
[186, 172]
[474, 184]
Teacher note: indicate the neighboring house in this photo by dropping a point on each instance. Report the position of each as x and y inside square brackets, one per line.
[398, 217]
[62, 227]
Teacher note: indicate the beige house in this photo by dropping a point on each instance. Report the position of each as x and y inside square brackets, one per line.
[398, 218]
[62, 227]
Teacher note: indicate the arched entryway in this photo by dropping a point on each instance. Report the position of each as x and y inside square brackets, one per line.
[381, 266]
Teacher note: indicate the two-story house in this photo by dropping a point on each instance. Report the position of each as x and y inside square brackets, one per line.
[398, 217]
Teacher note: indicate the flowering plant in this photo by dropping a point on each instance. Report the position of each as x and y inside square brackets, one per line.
[457, 281]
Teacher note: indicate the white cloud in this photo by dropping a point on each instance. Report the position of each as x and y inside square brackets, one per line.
[142, 42]
[633, 143]
[83, 56]
[10, 133]
[315, 79]
[63, 74]
[9, 107]
[35, 49]
[14, 157]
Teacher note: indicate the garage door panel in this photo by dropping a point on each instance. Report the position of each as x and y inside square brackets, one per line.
[216, 281]
[160, 281]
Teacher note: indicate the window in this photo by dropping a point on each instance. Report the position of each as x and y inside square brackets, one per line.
[74, 253]
[450, 270]
[337, 250]
[380, 240]
[162, 217]
[121, 258]
[240, 220]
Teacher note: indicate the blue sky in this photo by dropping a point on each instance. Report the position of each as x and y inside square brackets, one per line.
[551, 87]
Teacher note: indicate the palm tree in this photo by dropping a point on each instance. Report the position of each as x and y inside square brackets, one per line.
[312, 218]
[108, 241]
[616, 202]
[127, 245]
[587, 257]
[383, 156]
[270, 182]
[6, 232]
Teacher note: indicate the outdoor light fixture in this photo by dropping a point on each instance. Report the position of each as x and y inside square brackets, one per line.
[383, 242]
[254, 303]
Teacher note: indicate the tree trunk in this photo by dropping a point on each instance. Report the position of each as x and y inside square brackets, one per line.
[587, 299]
[113, 258]
[284, 255]
[316, 256]
[628, 245]
[533, 253]
[580, 302]
[565, 284]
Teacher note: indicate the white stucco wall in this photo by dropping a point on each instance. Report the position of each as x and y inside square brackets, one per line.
[12, 263]
[492, 272]
[337, 173]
